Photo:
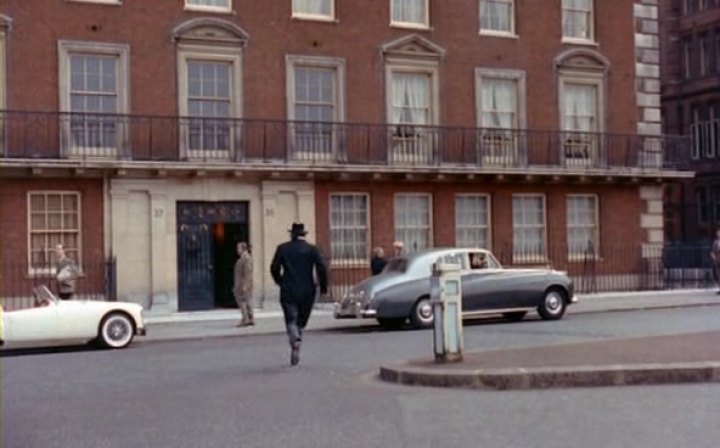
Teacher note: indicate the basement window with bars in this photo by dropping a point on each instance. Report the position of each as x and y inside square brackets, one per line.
[53, 218]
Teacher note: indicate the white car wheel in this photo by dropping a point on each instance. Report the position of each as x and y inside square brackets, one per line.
[116, 331]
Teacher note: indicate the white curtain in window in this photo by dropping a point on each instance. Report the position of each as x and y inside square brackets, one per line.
[499, 103]
[315, 7]
[471, 221]
[409, 11]
[411, 98]
[580, 107]
[577, 15]
[528, 226]
[412, 221]
[496, 15]
[581, 223]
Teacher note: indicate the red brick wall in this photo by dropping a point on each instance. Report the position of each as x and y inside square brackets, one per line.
[361, 28]
[619, 206]
[14, 228]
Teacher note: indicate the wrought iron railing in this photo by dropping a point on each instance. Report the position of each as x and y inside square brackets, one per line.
[59, 135]
[97, 281]
[605, 269]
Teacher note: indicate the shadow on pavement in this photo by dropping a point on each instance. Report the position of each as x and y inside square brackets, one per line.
[28, 351]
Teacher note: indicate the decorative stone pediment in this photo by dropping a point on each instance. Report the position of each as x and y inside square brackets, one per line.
[413, 45]
[5, 21]
[582, 59]
[210, 30]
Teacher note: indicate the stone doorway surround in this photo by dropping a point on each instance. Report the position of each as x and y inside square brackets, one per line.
[143, 233]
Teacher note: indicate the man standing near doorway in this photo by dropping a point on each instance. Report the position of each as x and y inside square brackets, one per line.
[292, 270]
[243, 286]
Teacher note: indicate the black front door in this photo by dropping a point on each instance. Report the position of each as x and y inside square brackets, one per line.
[195, 267]
[207, 235]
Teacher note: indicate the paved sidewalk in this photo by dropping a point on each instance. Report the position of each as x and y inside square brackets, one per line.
[684, 358]
[221, 323]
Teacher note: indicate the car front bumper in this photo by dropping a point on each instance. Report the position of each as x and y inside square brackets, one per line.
[574, 299]
[353, 310]
[142, 331]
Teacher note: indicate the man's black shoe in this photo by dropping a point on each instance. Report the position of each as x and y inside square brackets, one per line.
[295, 356]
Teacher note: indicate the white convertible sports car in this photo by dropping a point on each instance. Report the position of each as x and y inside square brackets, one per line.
[53, 321]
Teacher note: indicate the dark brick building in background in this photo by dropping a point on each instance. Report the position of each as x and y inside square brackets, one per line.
[162, 132]
[691, 105]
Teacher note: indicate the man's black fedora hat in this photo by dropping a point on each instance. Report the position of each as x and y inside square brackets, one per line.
[298, 228]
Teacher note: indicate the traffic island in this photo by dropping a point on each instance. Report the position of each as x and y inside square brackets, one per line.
[668, 359]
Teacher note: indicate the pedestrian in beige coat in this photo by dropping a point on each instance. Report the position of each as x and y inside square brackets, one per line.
[243, 285]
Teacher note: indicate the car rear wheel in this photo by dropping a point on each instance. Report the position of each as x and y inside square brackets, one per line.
[422, 314]
[553, 304]
[515, 315]
[391, 323]
[116, 331]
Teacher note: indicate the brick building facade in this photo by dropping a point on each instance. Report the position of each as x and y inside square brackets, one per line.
[691, 104]
[185, 126]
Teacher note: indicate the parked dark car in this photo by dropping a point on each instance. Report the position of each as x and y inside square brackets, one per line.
[402, 290]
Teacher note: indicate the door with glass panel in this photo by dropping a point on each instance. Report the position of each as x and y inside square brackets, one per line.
[580, 138]
[208, 127]
[498, 135]
[411, 137]
[313, 133]
[94, 126]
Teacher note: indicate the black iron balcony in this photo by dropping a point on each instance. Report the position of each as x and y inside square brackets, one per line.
[57, 135]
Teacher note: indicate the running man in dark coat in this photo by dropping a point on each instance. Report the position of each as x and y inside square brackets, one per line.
[292, 270]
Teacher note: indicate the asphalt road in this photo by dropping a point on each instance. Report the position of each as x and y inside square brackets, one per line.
[239, 392]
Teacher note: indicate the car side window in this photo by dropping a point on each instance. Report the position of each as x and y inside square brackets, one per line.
[478, 260]
[455, 258]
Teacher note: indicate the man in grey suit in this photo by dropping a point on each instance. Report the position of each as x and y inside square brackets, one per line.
[292, 270]
[243, 284]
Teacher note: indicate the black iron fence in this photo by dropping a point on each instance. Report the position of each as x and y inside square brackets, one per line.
[607, 269]
[59, 135]
[17, 280]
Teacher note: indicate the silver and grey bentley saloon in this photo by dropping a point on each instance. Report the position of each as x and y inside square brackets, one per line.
[402, 290]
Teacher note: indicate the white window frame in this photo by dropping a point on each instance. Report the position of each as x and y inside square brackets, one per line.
[531, 258]
[575, 256]
[231, 55]
[398, 24]
[51, 270]
[514, 75]
[219, 9]
[310, 16]
[336, 64]
[400, 155]
[351, 262]
[596, 80]
[67, 48]
[487, 227]
[99, 2]
[430, 228]
[498, 33]
[591, 40]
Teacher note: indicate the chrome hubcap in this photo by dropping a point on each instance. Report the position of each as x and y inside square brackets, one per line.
[553, 302]
[425, 311]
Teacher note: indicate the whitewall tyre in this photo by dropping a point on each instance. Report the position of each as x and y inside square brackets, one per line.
[116, 331]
